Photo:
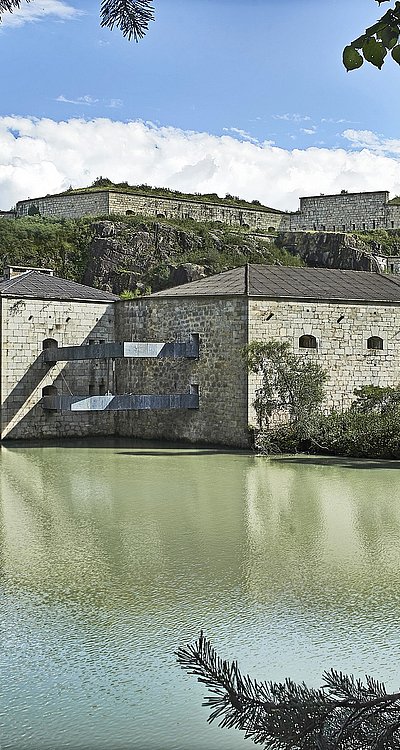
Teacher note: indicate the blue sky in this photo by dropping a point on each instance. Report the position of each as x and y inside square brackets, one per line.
[242, 96]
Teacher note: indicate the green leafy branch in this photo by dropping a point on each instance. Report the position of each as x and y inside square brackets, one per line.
[379, 39]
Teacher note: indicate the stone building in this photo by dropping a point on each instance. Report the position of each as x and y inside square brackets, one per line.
[345, 212]
[111, 202]
[342, 212]
[39, 310]
[76, 361]
[347, 321]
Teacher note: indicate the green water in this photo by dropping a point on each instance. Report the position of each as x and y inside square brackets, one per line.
[112, 557]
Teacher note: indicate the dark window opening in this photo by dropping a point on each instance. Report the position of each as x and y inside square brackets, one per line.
[102, 388]
[364, 225]
[375, 342]
[49, 390]
[374, 224]
[50, 344]
[392, 223]
[344, 227]
[354, 227]
[129, 213]
[307, 342]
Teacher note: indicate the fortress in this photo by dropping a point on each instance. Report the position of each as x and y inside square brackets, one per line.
[342, 212]
[77, 361]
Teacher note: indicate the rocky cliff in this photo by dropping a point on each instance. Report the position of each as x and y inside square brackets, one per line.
[136, 256]
[329, 250]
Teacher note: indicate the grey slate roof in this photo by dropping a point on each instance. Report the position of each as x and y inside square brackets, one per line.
[288, 282]
[36, 285]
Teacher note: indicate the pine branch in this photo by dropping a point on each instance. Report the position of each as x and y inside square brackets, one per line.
[7, 6]
[343, 714]
[132, 17]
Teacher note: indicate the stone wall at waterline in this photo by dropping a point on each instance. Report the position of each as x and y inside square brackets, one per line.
[341, 330]
[219, 372]
[26, 323]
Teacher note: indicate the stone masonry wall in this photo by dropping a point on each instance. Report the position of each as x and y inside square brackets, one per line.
[219, 372]
[104, 203]
[345, 212]
[67, 206]
[341, 330]
[26, 323]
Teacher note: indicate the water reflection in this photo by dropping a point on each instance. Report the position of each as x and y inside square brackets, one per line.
[112, 557]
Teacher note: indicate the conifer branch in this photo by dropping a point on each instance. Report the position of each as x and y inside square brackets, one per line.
[343, 714]
[132, 17]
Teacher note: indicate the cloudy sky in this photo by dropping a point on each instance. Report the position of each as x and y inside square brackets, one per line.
[242, 96]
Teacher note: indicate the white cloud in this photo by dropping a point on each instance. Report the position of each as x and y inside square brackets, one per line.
[376, 143]
[308, 131]
[38, 10]
[292, 117]
[87, 100]
[243, 134]
[39, 156]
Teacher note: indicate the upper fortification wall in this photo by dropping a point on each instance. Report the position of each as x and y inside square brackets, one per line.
[345, 212]
[102, 203]
[69, 206]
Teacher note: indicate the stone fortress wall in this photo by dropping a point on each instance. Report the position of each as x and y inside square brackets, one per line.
[345, 212]
[219, 373]
[105, 203]
[342, 330]
[25, 325]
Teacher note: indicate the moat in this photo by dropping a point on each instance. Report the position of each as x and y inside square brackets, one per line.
[114, 555]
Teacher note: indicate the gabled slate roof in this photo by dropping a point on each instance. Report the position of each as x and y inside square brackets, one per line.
[289, 282]
[36, 285]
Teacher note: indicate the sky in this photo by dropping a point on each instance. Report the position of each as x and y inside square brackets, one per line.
[247, 97]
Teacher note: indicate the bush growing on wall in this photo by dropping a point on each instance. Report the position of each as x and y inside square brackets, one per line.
[291, 390]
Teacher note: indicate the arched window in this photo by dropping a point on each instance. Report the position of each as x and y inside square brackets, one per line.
[50, 344]
[307, 342]
[49, 390]
[375, 342]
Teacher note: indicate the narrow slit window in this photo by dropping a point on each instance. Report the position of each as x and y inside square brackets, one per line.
[375, 342]
[307, 342]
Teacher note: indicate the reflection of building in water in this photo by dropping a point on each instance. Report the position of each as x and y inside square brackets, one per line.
[140, 528]
[314, 526]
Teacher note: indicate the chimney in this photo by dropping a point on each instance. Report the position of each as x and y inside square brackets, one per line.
[11, 272]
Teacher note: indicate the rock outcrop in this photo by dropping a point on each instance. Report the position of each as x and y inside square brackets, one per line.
[135, 256]
[329, 250]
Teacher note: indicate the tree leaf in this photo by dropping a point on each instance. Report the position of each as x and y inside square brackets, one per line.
[352, 58]
[389, 36]
[374, 52]
[396, 53]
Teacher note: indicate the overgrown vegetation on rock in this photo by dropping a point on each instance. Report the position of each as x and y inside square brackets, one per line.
[132, 254]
